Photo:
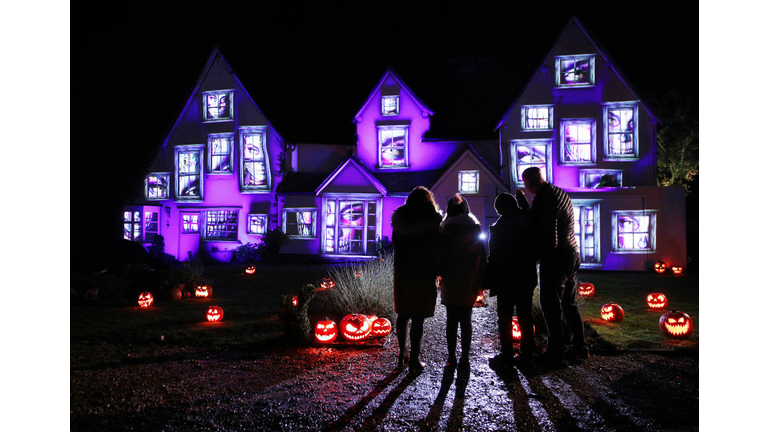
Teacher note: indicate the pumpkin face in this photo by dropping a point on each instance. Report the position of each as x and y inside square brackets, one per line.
[214, 314]
[381, 327]
[146, 299]
[295, 301]
[517, 334]
[203, 291]
[586, 289]
[659, 266]
[656, 301]
[251, 269]
[355, 327]
[480, 299]
[326, 331]
[677, 269]
[612, 312]
[326, 284]
[676, 325]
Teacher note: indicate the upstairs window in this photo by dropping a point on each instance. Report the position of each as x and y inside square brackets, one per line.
[257, 224]
[218, 106]
[254, 163]
[531, 153]
[469, 182]
[596, 179]
[620, 132]
[575, 71]
[390, 105]
[536, 117]
[221, 225]
[634, 230]
[220, 153]
[393, 146]
[156, 186]
[189, 181]
[300, 223]
[577, 142]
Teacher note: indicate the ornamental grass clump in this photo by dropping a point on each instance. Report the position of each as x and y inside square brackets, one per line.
[362, 288]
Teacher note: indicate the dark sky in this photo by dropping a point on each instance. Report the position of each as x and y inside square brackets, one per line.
[311, 68]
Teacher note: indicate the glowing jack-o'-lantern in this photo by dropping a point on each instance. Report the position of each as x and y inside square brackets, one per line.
[677, 269]
[203, 291]
[214, 314]
[326, 284]
[146, 299]
[480, 299]
[517, 334]
[355, 327]
[656, 301]
[251, 269]
[381, 327]
[586, 289]
[612, 312]
[295, 300]
[326, 331]
[660, 266]
[676, 325]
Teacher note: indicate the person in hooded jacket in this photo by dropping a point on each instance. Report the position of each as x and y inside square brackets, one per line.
[510, 250]
[416, 244]
[464, 259]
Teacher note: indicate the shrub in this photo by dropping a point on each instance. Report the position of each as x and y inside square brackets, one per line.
[269, 247]
[295, 318]
[189, 274]
[248, 252]
[371, 293]
[158, 258]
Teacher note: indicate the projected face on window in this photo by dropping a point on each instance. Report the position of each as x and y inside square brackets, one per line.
[575, 71]
[633, 232]
[621, 131]
[392, 146]
[218, 106]
[530, 156]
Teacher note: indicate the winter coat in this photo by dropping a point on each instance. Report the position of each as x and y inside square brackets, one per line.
[464, 260]
[416, 243]
[552, 222]
[511, 259]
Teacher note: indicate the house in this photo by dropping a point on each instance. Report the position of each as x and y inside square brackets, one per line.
[224, 176]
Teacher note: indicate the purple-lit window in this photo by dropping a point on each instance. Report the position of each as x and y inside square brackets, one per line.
[300, 223]
[257, 224]
[254, 162]
[390, 105]
[577, 141]
[151, 225]
[469, 182]
[536, 117]
[220, 153]
[217, 105]
[393, 146]
[586, 228]
[351, 226]
[620, 132]
[575, 71]
[156, 186]
[530, 153]
[634, 231]
[189, 181]
[132, 225]
[190, 223]
[597, 178]
[221, 225]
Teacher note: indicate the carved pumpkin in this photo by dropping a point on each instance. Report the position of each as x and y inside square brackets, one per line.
[517, 334]
[251, 269]
[656, 301]
[214, 314]
[586, 289]
[677, 269]
[326, 331]
[659, 266]
[480, 299]
[295, 300]
[326, 284]
[381, 327]
[676, 325]
[355, 327]
[612, 312]
[203, 291]
[146, 299]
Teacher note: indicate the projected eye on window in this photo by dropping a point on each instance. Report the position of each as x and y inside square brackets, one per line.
[157, 186]
[634, 232]
[620, 125]
[254, 176]
[392, 147]
[218, 105]
[527, 156]
[575, 71]
[257, 224]
[355, 233]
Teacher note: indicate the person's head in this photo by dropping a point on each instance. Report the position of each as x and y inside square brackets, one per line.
[506, 204]
[420, 195]
[457, 206]
[533, 179]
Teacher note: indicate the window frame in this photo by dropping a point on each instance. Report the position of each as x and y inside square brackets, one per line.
[141, 223]
[581, 236]
[366, 200]
[178, 150]
[577, 57]
[167, 176]
[254, 215]
[284, 223]
[382, 128]
[397, 105]
[246, 131]
[211, 137]
[513, 158]
[197, 223]
[592, 144]
[652, 224]
[231, 114]
[204, 234]
[477, 182]
[524, 117]
[607, 156]
[583, 176]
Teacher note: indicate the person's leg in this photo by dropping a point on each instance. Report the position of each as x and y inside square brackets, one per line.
[571, 311]
[505, 308]
[465, 319]
[550, 297]
[524, 304]
[417, 331]
[451, 332]
[401, 328]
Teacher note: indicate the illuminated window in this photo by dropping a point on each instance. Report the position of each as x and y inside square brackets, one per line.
[575, 71]
[151, 225]
[156, 186]
[577, 142]
[189, 181]
[254, 164]
[221, 225]
[469, 181]
[531, 153]
[597, 178]
[132, 225]
[350, 226]
[300, 223]
[257, 224]
[393, 146]
[586, 227]
[634, 230]
[620, 133]
[536, 117]
[141, 223]
[220, 153]
[217, 105]
[190, 223]
[390, 105]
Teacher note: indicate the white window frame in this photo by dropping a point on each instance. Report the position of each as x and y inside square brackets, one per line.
[601, 172]
[615, 214]
[246, 131]
[163, 175]
[231, 138]
[396, 98]
[383, 128]
[513, 158]
[178, 150]
[204, 230]
[595, 204]
[366, 199]
[141, 223]
[476, 188]
[590, 57]
[634, 156]
[259, 215]
[198, 223]
[230, 116]
[313, 229]
[524, 117]
[592, 144]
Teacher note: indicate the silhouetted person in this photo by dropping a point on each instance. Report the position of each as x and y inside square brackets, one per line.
[558, 253]
[416, 243]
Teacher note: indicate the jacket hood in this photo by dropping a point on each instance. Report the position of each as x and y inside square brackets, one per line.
[460, 220]
[415, 220]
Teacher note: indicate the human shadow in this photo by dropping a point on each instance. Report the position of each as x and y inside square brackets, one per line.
[517, 393]
[456, 419]
[430, 422]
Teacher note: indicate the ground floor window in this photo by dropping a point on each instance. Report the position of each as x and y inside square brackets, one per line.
[586, 226]
[257, 224]
[221, 225]
[634, 230]
[190, 223]
[300, 223]
[350, 226]
[141, 224]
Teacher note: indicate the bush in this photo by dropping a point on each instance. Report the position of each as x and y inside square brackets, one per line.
[371, 293]
[158, 258]
[295, 318]
[269, 247]
[189, 274]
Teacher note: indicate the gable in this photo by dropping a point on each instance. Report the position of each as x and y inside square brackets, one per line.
[350, 177]
[391, 84]
[468, 161]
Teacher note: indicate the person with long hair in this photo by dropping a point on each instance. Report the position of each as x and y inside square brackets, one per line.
[416, 243]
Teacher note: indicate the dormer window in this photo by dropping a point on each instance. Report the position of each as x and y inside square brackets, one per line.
[469, 182]
[390, 105]
[575, 71]
[218, 105]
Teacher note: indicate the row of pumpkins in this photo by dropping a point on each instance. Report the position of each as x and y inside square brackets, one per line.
[213, 314]
[353, 327]
[673, 324]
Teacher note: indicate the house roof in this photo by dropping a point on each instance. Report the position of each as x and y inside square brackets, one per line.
[301, 182]
[351, 162]
[391, 72]
[403, 182]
